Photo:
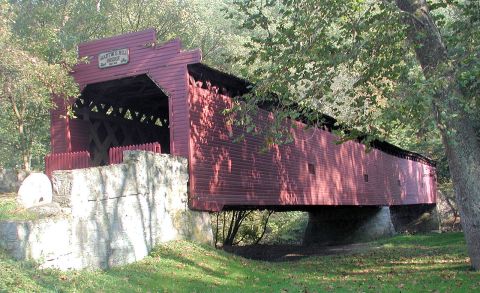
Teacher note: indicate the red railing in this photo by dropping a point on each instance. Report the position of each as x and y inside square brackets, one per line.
[115, 154]
[78, 160]
[66, 161]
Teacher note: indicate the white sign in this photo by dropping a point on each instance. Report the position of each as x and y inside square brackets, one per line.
[113, 58]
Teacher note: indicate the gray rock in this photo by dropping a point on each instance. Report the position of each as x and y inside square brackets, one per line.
[35, 190]
[46, 210]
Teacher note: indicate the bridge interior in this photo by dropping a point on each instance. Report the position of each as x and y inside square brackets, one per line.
[127, 111]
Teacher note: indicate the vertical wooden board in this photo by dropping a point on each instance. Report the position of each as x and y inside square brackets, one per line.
[79, 130]
[176, 89]
[58, 127]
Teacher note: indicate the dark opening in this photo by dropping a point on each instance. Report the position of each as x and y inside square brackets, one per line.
[365, 177]
[311, 169]
[127, 111]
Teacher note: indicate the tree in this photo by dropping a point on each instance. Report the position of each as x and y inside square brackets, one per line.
[53, 29]
[27, 84]
[451, 111]
[241, 227]
[379, 64]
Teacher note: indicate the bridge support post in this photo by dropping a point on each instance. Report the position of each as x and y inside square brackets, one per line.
[415, 218]
[329, 225]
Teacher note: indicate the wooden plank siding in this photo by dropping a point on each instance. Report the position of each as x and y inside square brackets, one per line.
[58, 127]
[225, 173]
[165, 64]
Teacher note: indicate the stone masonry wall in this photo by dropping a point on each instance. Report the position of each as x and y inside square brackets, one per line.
[114, 215]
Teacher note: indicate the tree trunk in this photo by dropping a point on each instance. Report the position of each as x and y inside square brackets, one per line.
[217, 214]
[26, 160]
[264, 227]
[235, 223]
[24, 147]
[455, 125]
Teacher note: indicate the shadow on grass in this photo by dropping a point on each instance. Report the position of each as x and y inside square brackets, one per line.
[429, 240]
[391, 265]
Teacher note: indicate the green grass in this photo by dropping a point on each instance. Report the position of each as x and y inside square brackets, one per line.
[11, 211]
[425, 263]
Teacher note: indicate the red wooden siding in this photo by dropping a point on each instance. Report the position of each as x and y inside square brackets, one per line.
[78, 160]
[79, 135]
[165, 64]
[236, 174]
[115, 154]
[66, 161]
[58, 127]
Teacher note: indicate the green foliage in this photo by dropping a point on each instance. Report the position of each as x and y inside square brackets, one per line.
[286, 228]
[54, 28]
[434, 262]
[265, 227]
[336, 57]
[27, 84]
[240, 227]
[348, 59]
[352, 60]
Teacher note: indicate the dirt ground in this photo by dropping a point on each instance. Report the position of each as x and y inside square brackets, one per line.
[293, 252]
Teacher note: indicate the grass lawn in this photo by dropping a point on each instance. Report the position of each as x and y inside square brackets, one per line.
[10, 210]
[422, 263]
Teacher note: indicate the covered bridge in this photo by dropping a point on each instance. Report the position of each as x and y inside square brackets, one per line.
[137, 93]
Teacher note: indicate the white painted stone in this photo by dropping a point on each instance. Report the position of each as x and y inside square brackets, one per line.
[35, 190]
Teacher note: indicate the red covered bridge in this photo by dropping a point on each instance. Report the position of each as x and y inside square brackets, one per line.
[138, 92]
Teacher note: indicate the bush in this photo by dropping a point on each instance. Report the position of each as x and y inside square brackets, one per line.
[255, 226]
